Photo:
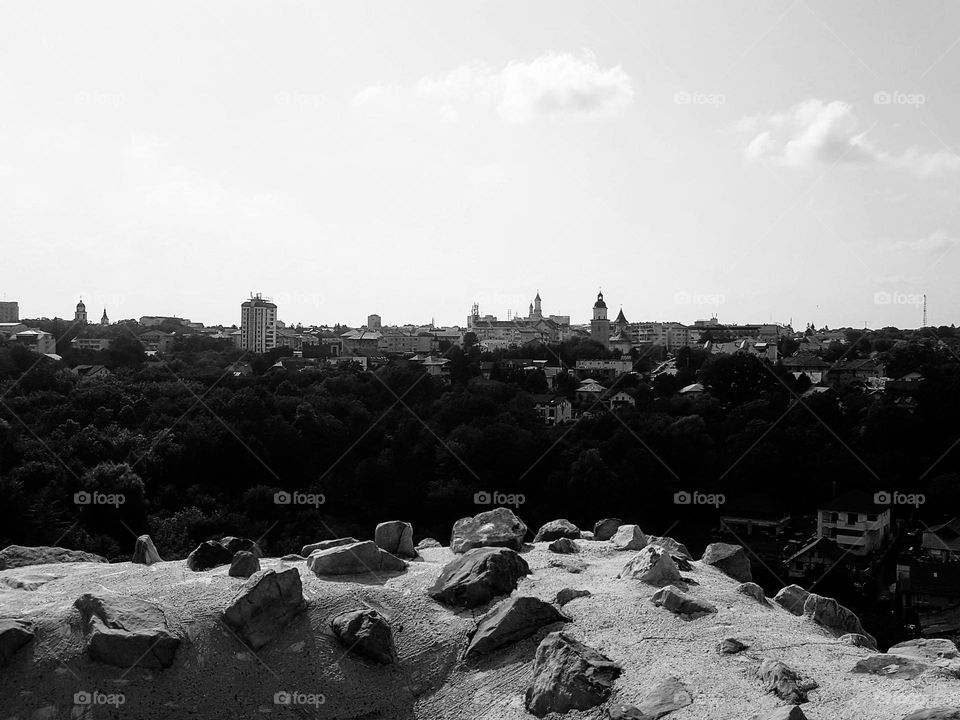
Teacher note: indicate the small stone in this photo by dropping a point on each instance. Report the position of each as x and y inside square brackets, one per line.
[563, 546]
[731, 646]
[568, 594]
[244, 565]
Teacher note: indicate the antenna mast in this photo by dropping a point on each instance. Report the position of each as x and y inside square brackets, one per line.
[924, 309]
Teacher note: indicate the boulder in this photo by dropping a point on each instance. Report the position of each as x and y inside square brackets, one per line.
[564, 546]
[428, 543]
[326, 545]
[682, 604]
[208, 555]
[14, 556]
[606, 528]
[730, 646]
[943, 713]
[556, 529]
[14, 634]
[494, 528]
[292, 557]
[235, 545]
[568, 675]
[930, 649]
[729, 559]
[751, 589]
[669, 695]
[354, 559]
[244, 565]
[900, 667]
[367, 633]
[782, 681]
[787, 712]
[682, 563]
[791, 598]
[145, 552]
[513, 619]
[126, 632]
[833, 616]
[653, 566]
[568, 594]
[479, 575]
[629, 537]
[586, 535]
[670, 545]
[396, 537]
[858, 640]
[264, 605]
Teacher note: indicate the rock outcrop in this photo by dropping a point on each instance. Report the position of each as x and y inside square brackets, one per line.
[145, 552]
[326, 545]
[494, 528]
[478, 576]
[366, 633]
[569, 675]
[629, 537]
[513, 619]
[556, 529]
[680, 603]
[14, 556]
[265, 604]
[729, 559]
[833, 616]
[208, 555]
[396, 537]
[14, 634]
[792, 598]
[236, 544]
[670, 545]
[653, 566]
[669, 695]
[428, 543]
[900, 667]
[355, 559]
[567, 594]
[244, 564]
[751, 589]
[782, 681]
[606, 528]
[126, 632]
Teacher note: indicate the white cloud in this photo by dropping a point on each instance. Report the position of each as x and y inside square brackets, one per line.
[936, 242]
[376, 93]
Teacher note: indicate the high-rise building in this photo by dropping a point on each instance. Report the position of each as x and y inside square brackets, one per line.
[80, 316]
[258, 325]
[600, 325]
[9, 312]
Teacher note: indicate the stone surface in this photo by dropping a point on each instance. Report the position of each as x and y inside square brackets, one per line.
[14, 634]
[629, 537]
[145, 552]
[306, 550]
[126, 632]
[208, 555]
[751, 589]
[782, 681]
[264, 605]
[930, 649]
[428, 543]
[680, 603]
[14, 556]
[355, 559]
[236, 544]
[900, 667]
[567, 594]
[478, 576]
[606, 528]
[730, 559]
[396, 537]
[833, 616]
[293, 557]
[942, 713]
[568, 675]
[557, 529]
[669, 695]
[791, 598]
[858, 640]
[563, 546]
[244, 564]
[366, 632]
[513, 619]
[787, 712]
[494, 528]
[731, 646]
[670, 545]
[653, 566]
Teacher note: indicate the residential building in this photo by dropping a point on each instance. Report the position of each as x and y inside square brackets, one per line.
[96, 344]
[367, 341]
[615, 399]
[589, 390]
[91, 372]
[553, 409]
[755, 515]
[157, 341]
[844, 372]
[859, 525]
[806, 364]
[9, 311]
[156, 320]
[436, 366]
[36, 340]
[817, 557]
[941, 542]
[397, 343]
[258, 325]
[8, 330]
[607, 368]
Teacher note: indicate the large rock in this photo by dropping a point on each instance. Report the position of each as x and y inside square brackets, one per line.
[568, 675]
[731, 646]
[606, 528]
[145, 552]
[930, 649]
[244, 565]
[670, 545]
[354, 559]
[367, 633]
[14, 634]
[782, 681]
[942, 713]
[833, 616]
[567, 594]
[751, 589]
[494, 528]
[126, 632]
[513, 619]
[326, 545]
[629, 537]
[478, 576]
[653, 566]
[669, 695]
[900, 667]
[729, 559]
[428, 543]
[264, 605]
[236, 544]
[208, 555]
[682, 604]
[563, 546]
[396, 537]
[792, 598]
[556, 529]
[14, 556]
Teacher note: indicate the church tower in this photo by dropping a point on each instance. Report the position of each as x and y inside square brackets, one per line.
[537, 311]
[600, 325]
[80, 316]
[104, 320]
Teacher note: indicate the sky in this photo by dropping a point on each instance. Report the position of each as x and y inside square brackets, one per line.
[778, 160]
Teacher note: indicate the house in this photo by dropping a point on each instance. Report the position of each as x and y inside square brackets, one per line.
[95, 344]
[36, 340]
[156, 340]
[91, 372]
[553, 409]
[589, 390]
[694, 391]
[618, 399]
[855, 521]
[929, 594]
[360, 340]
[818, 557]
[942, 542]
[9, 329]
[606, 368]
[435, 366]
[809, 365]
[845, 372]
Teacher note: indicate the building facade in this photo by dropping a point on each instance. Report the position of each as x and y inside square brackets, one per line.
[600, 325]
[9, 312]
[80, 314]
[258, 325]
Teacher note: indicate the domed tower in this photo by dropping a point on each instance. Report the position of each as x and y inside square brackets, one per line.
[80, 316]
[600, 325]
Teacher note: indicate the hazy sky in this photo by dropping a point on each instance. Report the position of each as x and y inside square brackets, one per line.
[757, 160]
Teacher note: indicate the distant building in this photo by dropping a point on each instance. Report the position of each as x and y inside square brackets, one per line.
[845, 372]
[156, 341]
[400, 343]
[553, 409]
[857, 523]
[91, 372]
[817, 557]
[373, 322]
[36, 340]
[609, 368]
[258, 325]
[104, 320]
[9, 312]
[600, 325]
[942, 542]
[80, 314]
[354, 341]
[9, 329]
[95, 344]
[148, 321]
[806, 364]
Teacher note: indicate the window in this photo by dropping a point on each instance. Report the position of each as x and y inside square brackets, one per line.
[852, 518]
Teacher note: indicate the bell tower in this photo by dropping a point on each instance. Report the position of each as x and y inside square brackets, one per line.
[80, 316]
[600, 325]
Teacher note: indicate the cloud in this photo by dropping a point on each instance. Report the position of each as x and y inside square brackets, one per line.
[815, 132]
[373, 94]
[552, 86]
[936, 242]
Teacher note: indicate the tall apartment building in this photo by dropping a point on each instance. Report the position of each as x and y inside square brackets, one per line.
[258, 325]
[9, 312]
